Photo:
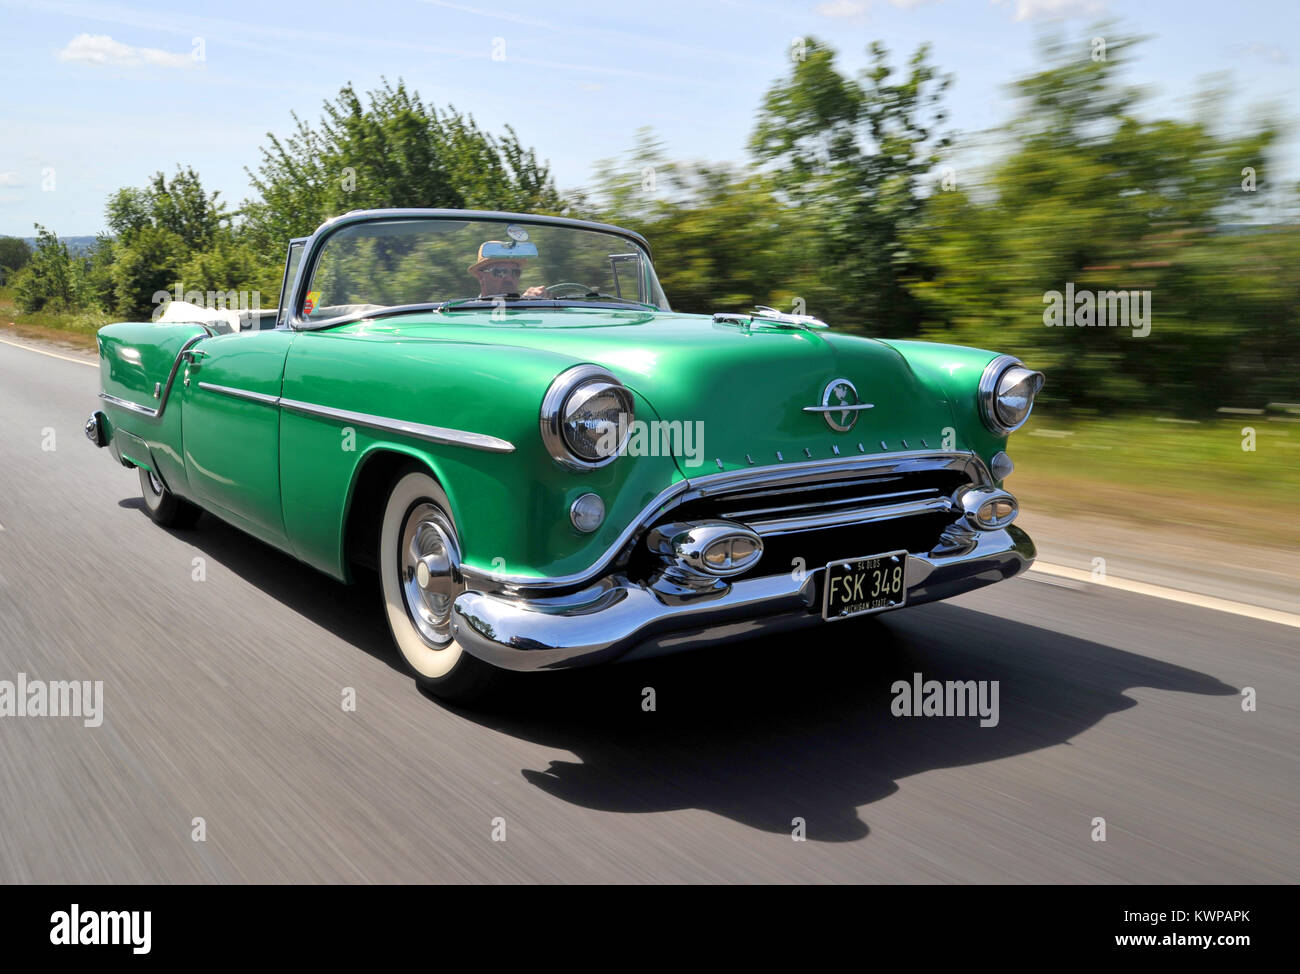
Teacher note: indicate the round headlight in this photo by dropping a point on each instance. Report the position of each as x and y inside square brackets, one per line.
[586, 417]
[595, 420]
[1006, 393]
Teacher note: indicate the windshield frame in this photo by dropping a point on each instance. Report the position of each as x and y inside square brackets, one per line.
[315, 243]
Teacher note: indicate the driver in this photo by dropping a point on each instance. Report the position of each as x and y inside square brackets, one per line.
[500, 275]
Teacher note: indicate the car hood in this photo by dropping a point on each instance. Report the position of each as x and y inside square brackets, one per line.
[740, 393]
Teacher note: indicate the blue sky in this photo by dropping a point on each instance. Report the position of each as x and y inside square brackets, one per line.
[101, 95]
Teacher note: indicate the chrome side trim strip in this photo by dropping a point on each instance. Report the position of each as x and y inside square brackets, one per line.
[142, 410]
[261, 397]
[839, 409]
[433, 434]
[729, 480]
[167, 388]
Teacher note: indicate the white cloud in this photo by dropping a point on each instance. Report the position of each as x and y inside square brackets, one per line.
[842, 9]
[857, 9]
[10, 178]
[102, 49]
[1263, 52]
[1054, 9]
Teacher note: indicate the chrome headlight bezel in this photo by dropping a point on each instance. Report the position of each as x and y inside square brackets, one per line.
[555, 414]
[992, 390]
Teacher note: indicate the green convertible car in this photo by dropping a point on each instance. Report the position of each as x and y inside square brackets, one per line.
[547, 466]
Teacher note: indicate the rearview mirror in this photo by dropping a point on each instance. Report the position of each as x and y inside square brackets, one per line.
[514, 250]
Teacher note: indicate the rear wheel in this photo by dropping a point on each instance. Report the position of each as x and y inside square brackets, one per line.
[419, 567]
[164, 507]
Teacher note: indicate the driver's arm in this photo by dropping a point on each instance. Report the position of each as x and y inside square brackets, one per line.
[536, 291]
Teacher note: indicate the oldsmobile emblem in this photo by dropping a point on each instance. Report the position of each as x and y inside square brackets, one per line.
[840, 405]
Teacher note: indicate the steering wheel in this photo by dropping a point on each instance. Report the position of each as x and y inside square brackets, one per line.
[553, 290]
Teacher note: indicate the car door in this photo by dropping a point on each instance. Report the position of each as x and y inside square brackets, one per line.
[230, 392]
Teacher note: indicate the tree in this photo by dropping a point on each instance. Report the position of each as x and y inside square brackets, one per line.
[180, 206]
[100, 286]
[849, 154]
[158, 229]
[1094, 196]
[149, 262]
[52, 279]
[232, 265]
[14, 253]
[721, 238]
[390, 149]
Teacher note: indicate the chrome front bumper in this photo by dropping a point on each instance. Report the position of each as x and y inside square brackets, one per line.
[620, 619]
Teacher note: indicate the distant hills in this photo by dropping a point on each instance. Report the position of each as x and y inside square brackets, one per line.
[75, 245]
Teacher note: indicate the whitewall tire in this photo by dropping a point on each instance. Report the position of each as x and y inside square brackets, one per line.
[419, 568]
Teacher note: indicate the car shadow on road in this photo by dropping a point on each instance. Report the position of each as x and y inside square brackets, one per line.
[351, 612]
[765, 730]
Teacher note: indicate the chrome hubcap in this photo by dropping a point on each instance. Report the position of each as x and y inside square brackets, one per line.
[430, 580]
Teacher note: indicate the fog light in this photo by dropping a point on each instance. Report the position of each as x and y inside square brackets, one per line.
[996, 512]
[987, 508]
[709, 549]
[728, 552]
[587, 513]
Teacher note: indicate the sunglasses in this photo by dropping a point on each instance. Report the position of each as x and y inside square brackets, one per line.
[500, 271]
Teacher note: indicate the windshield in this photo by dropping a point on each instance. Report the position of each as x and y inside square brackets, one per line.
[370, 266]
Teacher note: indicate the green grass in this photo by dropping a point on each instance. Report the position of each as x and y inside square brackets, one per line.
[1192, 475]
[77, 328]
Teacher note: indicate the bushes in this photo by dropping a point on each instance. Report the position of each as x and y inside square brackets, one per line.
[14, 253]
[149, 261]
[52, 280]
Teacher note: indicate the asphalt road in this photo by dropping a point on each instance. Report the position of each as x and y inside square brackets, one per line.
[223, 701]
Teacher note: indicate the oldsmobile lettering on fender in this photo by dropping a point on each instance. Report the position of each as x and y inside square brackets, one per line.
[453, 399]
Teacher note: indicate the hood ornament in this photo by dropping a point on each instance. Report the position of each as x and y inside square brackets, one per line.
[840, 405]
[770, 316]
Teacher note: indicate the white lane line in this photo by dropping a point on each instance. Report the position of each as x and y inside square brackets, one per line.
[41, 351]
[1171, 594]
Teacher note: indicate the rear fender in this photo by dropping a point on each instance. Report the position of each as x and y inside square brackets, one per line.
[140, 363]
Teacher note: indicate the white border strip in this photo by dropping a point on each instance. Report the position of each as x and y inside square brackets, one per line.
[1171, 594]
[41, 351]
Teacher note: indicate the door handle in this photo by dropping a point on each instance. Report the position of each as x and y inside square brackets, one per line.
[193, 355]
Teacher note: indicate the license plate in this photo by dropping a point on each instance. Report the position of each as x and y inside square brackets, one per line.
[856, 586]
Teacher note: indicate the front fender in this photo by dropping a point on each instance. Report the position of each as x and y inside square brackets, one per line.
[510, 509]
[955, 370]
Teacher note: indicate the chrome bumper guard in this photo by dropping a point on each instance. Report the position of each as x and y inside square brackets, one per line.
[616, 618]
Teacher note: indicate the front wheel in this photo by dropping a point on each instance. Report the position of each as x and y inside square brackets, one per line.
[164, 507]
[419, 567]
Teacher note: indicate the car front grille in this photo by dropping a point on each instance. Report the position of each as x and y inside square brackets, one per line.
[843, 514]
